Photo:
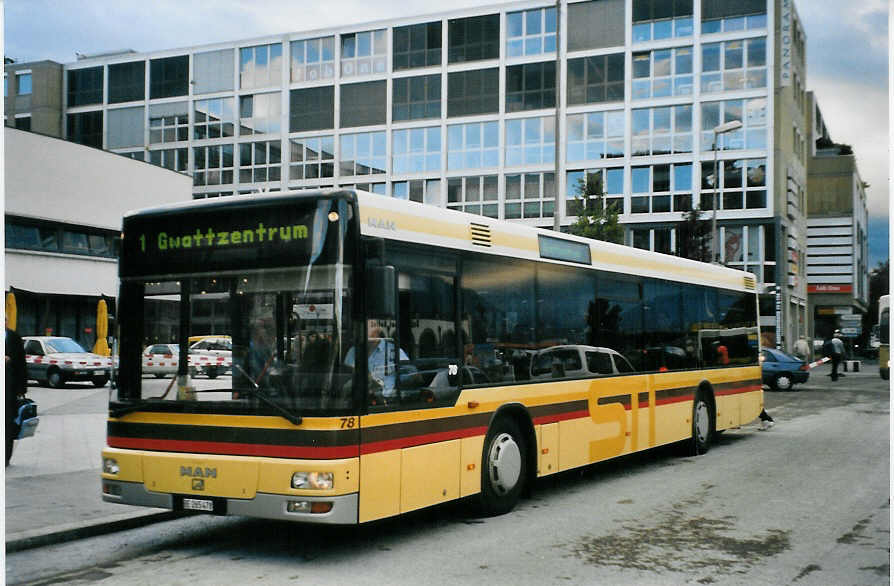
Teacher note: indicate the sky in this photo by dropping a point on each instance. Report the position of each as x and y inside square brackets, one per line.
[847, 52]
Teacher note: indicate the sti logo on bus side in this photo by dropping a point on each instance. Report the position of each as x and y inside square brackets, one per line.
[381, 224]
[198, 472]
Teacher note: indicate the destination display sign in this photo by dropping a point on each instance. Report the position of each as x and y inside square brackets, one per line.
[228, 238]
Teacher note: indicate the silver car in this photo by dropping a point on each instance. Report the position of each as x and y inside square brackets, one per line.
[56, 360]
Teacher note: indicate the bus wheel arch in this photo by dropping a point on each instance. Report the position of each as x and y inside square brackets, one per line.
[509, 449]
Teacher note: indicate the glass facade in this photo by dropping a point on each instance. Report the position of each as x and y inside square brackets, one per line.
[459, 112]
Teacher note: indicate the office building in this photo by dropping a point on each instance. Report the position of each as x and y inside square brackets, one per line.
[499, 111]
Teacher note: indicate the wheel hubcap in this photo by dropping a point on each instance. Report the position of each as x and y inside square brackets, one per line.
[504, 463]
[702, 421]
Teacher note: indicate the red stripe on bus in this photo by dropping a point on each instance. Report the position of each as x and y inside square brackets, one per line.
[234, 449]
[419, 440]
[561, 417]
[739, 390]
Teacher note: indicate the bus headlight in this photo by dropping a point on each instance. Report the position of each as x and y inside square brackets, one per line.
[313, 480]
[110, 466]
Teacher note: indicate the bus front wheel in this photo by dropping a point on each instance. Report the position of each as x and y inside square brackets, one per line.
[702, 428]
[504, 467]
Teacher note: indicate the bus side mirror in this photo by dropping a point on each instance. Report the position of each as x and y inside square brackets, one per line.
[381, 292]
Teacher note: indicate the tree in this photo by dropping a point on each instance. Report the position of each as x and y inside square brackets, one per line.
[595, 219]
[694, 236]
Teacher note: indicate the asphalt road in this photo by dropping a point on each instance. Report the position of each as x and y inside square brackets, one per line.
[804, 503]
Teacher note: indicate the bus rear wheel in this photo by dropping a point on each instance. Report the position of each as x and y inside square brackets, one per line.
[702, 427]
[504, 468]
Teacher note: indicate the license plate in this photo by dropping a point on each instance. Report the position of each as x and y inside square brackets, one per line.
[82, 372]
[100, 372]
[198, 505]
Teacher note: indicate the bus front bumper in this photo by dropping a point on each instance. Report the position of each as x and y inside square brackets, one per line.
[343, 511]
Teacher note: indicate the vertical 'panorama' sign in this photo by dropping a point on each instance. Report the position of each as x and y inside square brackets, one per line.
[785, 43]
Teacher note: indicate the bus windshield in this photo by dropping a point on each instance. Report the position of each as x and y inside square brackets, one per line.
[270, 340]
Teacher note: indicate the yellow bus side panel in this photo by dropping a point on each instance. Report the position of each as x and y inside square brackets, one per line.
[548, 453]
[673, 422]
[750, 407]
[380, 480]
[429, 475]
[728, 411]
[470, 474]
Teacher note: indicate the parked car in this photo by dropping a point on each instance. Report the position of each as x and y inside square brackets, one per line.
[161, 360]
[56, 360]
[211, 355]
[577, 361]
[780, 370]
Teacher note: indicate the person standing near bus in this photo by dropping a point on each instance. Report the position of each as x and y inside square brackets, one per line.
[16, 384]
[834, 349]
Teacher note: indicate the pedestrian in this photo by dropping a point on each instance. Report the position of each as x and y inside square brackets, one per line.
[834, 349]
[802, 349]
[16, 384]
[766, 421]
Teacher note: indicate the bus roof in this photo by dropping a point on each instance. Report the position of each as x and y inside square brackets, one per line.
[407, 221]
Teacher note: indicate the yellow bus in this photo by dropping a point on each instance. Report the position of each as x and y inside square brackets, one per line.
[390, 356]
[884, 336]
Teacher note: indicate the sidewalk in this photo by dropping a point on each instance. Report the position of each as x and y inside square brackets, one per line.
[53, 481]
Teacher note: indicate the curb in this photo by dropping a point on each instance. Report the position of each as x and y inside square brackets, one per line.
[49, 536]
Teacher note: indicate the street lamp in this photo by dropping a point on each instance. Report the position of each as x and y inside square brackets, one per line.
[718, 130]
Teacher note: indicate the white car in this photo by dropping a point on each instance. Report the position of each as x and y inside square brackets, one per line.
[211, 356]
[56, 360]
[577, 361]
[161, 360]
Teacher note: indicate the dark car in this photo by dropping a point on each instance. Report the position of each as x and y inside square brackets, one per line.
[781, 370]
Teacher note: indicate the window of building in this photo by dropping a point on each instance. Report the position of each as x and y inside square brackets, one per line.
[473, 92]
[169, 77]
[5, 85]
[311, 157]
[720, 16]
[474, 145]
[661, 131]
[85, 128]
[734, 65]
[126, 128]
[751, 112]
[417, 45]
[530, 141]
[213, 71]
[23, 123]
[743, 184]
[313, 59]
[531, 32]
[415, 98]
[260, 162]
[213, 165]
[657, 188]
[531, 86]
[592, 80]
[596, 24]
[478, 194]
[595, 135]
[661, 19]
[419, 190]
[24, 84]
[260, 66]
[363, 104]
[312, 109]
[168, 122]
[28, 234]
[662, 73]
[260, 114]
[173, 159]
[84, 86]
[363, 53]
[610, 180]
[127, 82]
[214, 118]
[377, 188]
[416, 150]
[530, 195]
[473, 39]
[362, 154]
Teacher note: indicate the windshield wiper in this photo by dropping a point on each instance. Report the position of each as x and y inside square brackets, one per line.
[285, 413]
[134, 407]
